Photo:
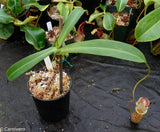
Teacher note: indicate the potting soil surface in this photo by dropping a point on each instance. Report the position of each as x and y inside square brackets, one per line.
[101, 89]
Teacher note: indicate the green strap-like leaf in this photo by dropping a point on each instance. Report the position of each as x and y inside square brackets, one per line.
[6, 30]
[28, 3]
[5, 18]
[95, 15]
[27, 63]
[148, 28]
[103, 47]
[108, 21]
[96, 47]
[63, 11]
[34, 36]
[120, 4]
[27, 20]
[69, 24]
[69, 7]
[15, 6]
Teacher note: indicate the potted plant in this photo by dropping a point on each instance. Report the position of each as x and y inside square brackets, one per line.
[116, 20]
[11, 17]
[130, 3]
[100, 47]
[145, 12]
[54, 31]
[62, 8]
[59, 11]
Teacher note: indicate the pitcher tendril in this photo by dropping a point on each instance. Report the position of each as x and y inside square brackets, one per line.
[133, 92]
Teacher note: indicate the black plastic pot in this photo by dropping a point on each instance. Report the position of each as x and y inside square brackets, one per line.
[120, 32]
[55, 109]
[133, 13]
[90, 5]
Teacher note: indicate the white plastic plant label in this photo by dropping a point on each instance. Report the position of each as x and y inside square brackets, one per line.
[48, 63]
[47, 59]
[2, 5]
[49, 26]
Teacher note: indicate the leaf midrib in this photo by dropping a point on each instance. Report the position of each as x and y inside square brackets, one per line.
[120, 5]
[31, 61]
[150, 29]
[113, 49]
[109, 22]
[66, 29]
[32, 37]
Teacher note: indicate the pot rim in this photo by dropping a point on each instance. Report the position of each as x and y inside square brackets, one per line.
[48, 100]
